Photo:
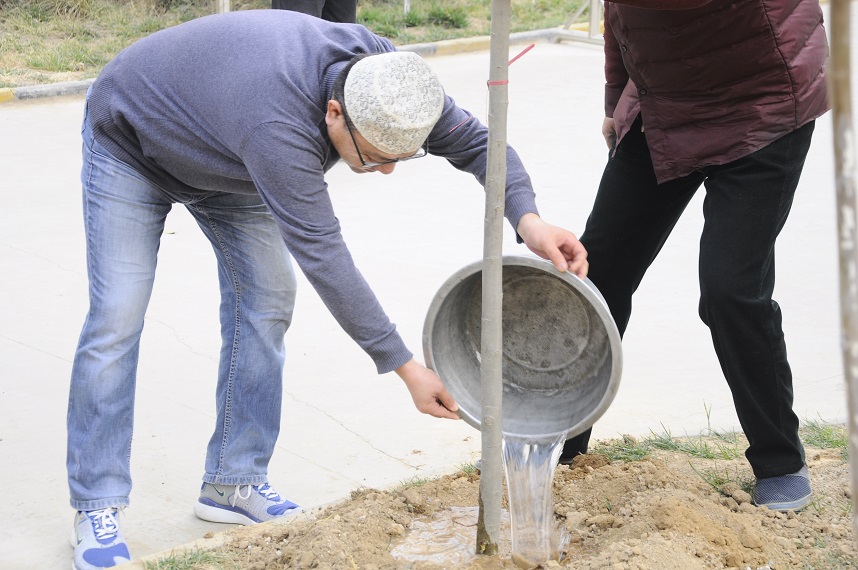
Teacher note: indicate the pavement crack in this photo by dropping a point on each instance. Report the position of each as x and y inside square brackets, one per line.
[42, 257]
[181, 340]
[37, 349]
[351, 431]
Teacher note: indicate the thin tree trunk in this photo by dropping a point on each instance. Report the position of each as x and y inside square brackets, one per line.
[847, 221]
[491, 423]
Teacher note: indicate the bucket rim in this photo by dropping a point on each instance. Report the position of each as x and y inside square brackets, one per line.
[583, 286]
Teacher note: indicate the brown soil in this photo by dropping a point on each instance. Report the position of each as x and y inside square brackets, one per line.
[657, 513]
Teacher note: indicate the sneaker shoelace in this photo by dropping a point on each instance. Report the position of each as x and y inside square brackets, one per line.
[264, 489]
[104, 524]
[280, 505]
[237, 495]
[268, 492]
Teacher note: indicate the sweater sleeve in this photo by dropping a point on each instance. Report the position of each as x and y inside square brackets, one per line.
[463, 140]
[616, 75]
[291, 181]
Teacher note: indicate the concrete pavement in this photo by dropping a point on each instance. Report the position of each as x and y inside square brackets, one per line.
[344, 427]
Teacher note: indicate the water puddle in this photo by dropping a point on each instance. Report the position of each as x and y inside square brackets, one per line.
[449, 539]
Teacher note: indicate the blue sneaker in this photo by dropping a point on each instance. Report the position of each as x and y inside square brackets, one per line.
[98, 540]
[784, 493]
[242, 504]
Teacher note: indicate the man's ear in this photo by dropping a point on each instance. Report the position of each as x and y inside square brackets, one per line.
[334, 112]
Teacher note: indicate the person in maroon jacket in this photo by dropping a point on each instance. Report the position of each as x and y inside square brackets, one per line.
[722, 94]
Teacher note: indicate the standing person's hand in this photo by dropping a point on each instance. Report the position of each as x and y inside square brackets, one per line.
[555, 244]
[427, 390]
[609, 132]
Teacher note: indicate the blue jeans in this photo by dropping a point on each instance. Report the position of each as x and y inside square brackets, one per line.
[746, 206]
[124, 218]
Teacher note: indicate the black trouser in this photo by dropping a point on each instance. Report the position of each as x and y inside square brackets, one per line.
[330, 10]
[747, 203]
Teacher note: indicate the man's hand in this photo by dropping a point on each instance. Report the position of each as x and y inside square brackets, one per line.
[557, 245]
[427, 391]
[609, 132]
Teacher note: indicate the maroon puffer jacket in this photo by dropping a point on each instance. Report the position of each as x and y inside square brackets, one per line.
[716, 82]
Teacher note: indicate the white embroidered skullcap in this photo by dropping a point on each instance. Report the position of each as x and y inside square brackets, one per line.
[393, 100]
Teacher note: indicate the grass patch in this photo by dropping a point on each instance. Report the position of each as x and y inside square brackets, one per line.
[413, 482]
[48, 41]
[199, 559]
[721, 480]
[626, 449]
[716, 446]
[823, 435]
[710, 444]
[45, 41]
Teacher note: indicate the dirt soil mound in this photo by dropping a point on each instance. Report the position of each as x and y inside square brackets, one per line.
[654, 514]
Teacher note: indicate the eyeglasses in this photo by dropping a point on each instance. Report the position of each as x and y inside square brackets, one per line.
[421, 152]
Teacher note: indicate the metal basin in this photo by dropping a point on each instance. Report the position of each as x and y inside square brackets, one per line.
[561, 349]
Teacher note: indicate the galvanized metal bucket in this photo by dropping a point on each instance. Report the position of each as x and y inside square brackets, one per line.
[562, 357]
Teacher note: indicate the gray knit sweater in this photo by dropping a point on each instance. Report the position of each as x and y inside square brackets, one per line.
[236, 103]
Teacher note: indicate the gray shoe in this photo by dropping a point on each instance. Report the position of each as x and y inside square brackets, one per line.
[784, 493]
[242, 504]
[97, 540]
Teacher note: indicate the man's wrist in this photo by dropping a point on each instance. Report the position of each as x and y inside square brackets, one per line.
[525, 222]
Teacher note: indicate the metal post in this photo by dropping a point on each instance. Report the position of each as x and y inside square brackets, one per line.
[847, 220]
[595, 28]
[491, 471]
[222, 6]
[594, 7]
